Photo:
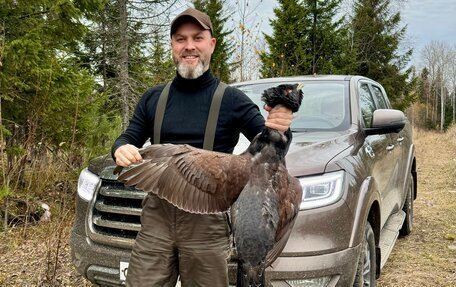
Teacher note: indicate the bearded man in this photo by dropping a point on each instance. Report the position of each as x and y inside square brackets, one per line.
[173, 242]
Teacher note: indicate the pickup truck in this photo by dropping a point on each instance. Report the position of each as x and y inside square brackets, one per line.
[354, 157]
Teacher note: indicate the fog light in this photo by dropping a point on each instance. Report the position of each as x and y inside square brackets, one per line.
[312, 282]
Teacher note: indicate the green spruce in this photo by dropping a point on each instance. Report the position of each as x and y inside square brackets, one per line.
[377, 33]
[220, 62]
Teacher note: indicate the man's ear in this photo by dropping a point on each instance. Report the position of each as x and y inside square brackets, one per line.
[213, 44]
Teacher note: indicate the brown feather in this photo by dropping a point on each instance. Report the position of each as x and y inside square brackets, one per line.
[192, 179]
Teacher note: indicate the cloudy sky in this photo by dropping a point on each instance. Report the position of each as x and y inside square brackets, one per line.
[426, 20]
[429, 20]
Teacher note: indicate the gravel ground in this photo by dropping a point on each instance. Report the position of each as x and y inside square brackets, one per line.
[39, 255]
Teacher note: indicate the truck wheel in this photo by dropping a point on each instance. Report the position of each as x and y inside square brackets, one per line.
[407, 226]
[366, 270]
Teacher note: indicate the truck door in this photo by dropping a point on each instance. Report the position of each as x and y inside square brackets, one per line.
[379, 150]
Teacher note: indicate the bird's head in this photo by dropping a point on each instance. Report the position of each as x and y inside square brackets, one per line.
[287, 95]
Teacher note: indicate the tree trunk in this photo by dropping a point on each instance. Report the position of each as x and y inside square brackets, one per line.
[314, 40]
[442, 106]
[454, 105]
[123, 63]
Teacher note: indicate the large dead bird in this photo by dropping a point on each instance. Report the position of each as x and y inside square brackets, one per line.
[263, 197]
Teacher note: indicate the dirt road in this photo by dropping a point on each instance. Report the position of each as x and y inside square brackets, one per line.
[427, 258]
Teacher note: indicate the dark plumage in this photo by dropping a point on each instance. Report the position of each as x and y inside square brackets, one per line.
[263, 197]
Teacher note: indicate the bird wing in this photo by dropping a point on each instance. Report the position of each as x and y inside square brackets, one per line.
[194, 180]
[290, 199]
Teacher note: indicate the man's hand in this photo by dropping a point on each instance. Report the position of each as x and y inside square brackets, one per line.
[279, 118]
[126, 155]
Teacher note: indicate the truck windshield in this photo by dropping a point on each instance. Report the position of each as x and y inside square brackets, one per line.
[325, 105]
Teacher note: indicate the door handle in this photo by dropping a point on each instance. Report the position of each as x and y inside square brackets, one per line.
[390, 147]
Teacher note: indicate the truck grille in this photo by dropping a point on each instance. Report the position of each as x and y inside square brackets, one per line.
[114, 214]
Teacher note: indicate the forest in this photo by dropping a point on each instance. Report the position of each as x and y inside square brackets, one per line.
[71, 72]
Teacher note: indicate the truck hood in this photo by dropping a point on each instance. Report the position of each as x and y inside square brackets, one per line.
[310, 152]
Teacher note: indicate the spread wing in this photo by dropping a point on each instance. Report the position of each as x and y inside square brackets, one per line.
[194, 180]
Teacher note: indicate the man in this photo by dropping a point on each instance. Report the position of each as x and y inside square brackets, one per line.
[172, 242]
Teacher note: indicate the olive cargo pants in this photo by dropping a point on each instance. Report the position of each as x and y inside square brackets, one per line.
[173, 242]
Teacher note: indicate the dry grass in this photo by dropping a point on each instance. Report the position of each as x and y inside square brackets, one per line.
[40, 256]
[427, 257]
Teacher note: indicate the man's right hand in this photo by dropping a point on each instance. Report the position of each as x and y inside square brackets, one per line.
[126, 155]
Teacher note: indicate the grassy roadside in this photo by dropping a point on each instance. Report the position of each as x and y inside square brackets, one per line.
[427, 257]
[39, 255]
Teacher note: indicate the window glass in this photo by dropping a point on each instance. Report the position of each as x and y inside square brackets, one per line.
[324, 104]
[379, 97]
[367, 104]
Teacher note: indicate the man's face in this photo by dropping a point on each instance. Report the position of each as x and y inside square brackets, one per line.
[192, 47]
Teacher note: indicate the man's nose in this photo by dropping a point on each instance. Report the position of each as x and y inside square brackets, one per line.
[190, 45]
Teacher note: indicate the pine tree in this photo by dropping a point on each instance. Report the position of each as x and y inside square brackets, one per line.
[220, 64]
[307, 39]
[118, 50]
[44, 91]
[161, 66]
[329, 38]
[288, 53]
[376, 35]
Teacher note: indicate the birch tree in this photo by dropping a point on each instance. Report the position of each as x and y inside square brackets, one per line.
[437, 56]
[248, 39]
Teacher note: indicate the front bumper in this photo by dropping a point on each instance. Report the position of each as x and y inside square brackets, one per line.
[100, 264]
[340, 266]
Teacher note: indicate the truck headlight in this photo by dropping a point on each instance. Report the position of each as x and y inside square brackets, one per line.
[321, 190]
[87, 184]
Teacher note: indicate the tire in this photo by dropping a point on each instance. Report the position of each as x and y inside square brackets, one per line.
[407, 226]
[366, 271]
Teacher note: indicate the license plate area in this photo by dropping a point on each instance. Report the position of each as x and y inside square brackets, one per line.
[123, 270]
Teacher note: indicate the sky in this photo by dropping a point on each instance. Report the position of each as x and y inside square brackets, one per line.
[426, 20]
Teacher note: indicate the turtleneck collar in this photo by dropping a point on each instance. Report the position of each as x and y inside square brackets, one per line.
[205, 80]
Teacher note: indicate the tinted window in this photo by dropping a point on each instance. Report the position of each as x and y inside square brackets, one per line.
[324, 106]
[379, 97]
[367, 104]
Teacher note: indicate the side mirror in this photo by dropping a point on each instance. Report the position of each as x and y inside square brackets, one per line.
[385, 121]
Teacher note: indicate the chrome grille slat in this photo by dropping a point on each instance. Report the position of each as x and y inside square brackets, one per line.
[114, 216]
[116, 224]
[101, 206]
[132, 194]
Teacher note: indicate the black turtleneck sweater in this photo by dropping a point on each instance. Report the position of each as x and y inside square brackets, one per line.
[186, 114]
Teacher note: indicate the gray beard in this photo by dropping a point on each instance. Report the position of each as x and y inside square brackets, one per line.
[189, 72]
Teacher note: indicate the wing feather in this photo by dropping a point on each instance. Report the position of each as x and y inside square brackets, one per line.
[192, 179]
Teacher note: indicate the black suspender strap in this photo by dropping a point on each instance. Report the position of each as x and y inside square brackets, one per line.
[212, 119]
[160, 113]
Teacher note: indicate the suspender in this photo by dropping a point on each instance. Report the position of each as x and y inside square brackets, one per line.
[211, 125]
[160, 113]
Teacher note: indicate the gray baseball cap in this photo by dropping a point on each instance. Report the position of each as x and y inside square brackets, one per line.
[192, 14]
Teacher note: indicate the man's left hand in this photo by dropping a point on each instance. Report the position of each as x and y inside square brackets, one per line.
[279, 118]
